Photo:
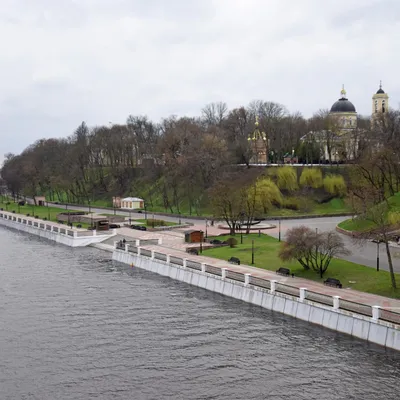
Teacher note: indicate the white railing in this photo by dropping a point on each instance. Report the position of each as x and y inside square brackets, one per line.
[375, 312]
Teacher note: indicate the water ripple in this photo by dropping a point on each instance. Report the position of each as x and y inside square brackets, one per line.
[76, 326]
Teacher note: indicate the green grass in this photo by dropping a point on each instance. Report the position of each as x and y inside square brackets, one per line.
[363, 225]
[50, 213]
[266, 249]
[356, 225]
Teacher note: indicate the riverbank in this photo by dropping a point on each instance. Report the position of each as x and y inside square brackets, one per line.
[373, 324]
[53, 231]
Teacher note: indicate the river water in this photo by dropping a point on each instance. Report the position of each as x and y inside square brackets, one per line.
[75, 326]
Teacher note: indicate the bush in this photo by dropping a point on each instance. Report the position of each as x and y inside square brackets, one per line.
[335, 185]
[311, 178]
[155, 222]
[291, 203]
[287, 178]
[232, 242]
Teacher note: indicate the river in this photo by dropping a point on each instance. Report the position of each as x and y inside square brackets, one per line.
[76, 326]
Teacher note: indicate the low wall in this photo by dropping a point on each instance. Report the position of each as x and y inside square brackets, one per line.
[228, 283]
[60, 234]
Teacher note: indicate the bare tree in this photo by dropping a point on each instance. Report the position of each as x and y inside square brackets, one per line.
[312, 250]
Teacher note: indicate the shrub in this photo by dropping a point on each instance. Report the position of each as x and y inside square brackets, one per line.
[335, 185]
[155, 222]
[232, 242]
[311, 178]
[291, 203]
[287, 178]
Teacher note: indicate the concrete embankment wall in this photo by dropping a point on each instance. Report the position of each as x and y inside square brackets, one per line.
[45, 229]
[359, 326]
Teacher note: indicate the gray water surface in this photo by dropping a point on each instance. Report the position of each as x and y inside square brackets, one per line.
[75, 326]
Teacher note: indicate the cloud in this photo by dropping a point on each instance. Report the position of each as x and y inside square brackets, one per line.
[68, 61]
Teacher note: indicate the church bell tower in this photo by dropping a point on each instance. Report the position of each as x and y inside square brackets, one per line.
[380, 102]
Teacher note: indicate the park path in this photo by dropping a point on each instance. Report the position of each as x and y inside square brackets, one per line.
[173, 244]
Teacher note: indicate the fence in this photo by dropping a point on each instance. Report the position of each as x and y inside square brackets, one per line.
[355, 307]
[390, 316]
[358, 308]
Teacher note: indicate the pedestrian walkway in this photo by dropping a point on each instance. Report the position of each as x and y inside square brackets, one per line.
[173, 244]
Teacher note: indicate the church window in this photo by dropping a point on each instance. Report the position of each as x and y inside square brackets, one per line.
[383, 106]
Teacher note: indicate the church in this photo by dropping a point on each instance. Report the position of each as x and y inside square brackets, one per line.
[340, 141]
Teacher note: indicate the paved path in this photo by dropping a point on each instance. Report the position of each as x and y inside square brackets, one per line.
[361, 253]
[173, 244]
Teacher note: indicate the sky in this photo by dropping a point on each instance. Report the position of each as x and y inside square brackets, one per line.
[67, 61]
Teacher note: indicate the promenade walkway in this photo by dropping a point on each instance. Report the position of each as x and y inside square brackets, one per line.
[173, 244]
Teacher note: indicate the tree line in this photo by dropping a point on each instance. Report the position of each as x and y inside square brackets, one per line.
[181, 157]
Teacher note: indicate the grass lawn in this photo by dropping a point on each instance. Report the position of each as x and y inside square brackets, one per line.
[41, 211]
[266, 250]
[356, 225]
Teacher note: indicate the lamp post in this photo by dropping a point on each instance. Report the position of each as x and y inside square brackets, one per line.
[206, 227]
[33, 208]
[279, 234]
[241, 235]
[252, 252]
[179, 217]
[377, 255]
[145, 211]
[48, 211]
[201, 242]
[18, 207]
[130, 217]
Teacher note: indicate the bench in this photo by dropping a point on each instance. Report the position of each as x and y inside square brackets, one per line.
[333, 282]
[192, 250]
[283, 271]
[234, 260]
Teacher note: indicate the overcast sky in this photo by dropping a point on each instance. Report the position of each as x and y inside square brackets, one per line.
[67, 61]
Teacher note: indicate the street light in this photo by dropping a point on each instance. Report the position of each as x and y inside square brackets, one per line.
[145, 211]
[279, 234]
[206, 227]
[252, 252]
[377, 255]
[201, 242]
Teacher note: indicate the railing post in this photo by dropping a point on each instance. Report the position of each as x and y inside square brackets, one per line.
[137, 242]
[273, 285]
[376, 312]
[75, 233]
[203, 267]
[159, 241]
[138, 250]
[115, 244]
[152, 254]
[336, 302]
[247, 279]
[302, 294]
[168, 258]
[185, 262]
[126, 247]
[94, 232]
[223, 273]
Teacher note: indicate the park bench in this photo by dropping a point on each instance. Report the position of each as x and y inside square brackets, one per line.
[234, 260]
[333, 282]
[215, 241]
[192, 250]
[283, 271]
